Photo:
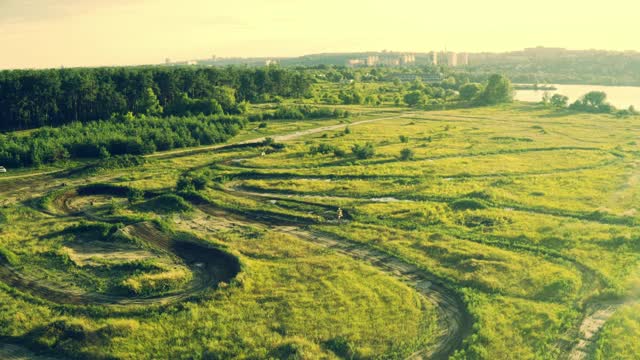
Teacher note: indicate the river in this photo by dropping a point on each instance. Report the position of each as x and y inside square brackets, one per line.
[619, 96]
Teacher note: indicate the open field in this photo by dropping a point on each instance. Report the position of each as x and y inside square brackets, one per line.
[504, 233]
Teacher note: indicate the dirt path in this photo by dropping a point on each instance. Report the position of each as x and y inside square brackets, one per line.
[454, 320]
[192, 151]
[591, 326]
[282, 137]
[209, 265]
[31, 175]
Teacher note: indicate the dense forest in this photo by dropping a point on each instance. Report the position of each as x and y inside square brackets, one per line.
[31, 99]
[101, 112]
[126, 135]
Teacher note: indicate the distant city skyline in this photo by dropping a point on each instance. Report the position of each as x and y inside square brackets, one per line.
[48, 33]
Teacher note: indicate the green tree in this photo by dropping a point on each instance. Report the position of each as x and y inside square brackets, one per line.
[470, 91]
[559, 101]
[595, 99]
[497, 91]
[148, 103]
[226, 97]
[415, 98]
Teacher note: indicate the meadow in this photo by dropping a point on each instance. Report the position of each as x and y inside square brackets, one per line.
[504, 232]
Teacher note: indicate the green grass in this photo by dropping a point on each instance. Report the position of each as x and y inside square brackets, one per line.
[529, 216]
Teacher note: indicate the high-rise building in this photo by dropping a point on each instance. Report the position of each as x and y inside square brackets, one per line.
[372, 60]
[463, 59]
[434, 58]
[407, 59]
[452, 59]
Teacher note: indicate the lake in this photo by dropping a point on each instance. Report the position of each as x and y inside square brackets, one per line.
[619, 96]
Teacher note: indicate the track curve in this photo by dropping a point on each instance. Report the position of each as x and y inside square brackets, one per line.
[455, 322]
[209, 265]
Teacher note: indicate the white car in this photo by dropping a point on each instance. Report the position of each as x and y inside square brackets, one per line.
[2, 169]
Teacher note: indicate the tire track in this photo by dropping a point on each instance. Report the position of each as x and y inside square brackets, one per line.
[455, 321]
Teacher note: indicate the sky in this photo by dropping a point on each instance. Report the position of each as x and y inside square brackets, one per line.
[54, 33]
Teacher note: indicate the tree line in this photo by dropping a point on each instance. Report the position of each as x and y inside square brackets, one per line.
[35, 98]
[124, 135]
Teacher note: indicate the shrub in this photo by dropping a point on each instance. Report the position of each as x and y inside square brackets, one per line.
[191, 183]
[165, 204]
[341, 346]
[271, 142]
[338, 152]
[301, 112]
[322, 149]
[468, 204]
[559, 101]
[365, 151]
[406, 154]
[119, 162]
[404, 139]
[135, 195]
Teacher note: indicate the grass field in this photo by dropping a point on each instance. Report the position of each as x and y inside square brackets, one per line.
[504, 233]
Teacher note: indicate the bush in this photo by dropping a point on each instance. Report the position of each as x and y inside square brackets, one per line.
[119, 162]
[404, 139]
[341, 346]
[415, 98]
[301, 112]
[322, 149]
[365, 151]
[135, 195]
[559, 101]
[268, 141]
[468, 204]
[593, 102]
[470, 91]
[188, 183]
[338, 152]
[271, 142]
[406, 154]
[166, 204]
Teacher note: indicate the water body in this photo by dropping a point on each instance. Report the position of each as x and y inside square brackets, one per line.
[619, 96]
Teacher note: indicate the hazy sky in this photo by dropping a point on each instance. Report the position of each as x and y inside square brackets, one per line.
[48, 33]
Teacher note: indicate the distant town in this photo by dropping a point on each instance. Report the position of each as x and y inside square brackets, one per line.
[393, 58]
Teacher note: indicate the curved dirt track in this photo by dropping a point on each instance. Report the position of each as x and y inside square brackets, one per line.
[454, 320]
[208, 264]
[595, 317]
